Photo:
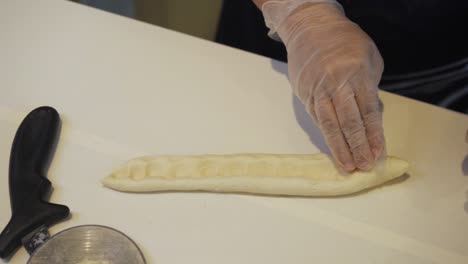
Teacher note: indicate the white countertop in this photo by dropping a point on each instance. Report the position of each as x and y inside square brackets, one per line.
[124, 88]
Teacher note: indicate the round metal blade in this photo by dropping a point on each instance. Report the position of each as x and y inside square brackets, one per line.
[88, 244]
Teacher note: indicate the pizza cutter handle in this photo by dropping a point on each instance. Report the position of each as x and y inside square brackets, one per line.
[31, 153]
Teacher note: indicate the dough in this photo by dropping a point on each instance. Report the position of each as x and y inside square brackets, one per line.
[273, 174]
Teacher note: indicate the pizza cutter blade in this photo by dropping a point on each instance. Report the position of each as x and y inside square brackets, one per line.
[88, 244]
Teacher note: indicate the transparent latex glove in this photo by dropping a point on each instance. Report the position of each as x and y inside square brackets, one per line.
[334, 69]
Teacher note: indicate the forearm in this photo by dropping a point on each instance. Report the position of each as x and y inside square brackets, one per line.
[278, 13]
[259, 3]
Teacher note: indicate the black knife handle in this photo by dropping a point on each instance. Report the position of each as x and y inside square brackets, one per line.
[31, 153]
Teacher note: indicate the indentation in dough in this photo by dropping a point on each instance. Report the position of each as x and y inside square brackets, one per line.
[137, 170]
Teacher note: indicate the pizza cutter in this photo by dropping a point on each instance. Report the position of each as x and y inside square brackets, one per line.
[31, 153]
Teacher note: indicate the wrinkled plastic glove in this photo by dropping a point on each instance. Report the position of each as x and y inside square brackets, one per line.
[334, 69]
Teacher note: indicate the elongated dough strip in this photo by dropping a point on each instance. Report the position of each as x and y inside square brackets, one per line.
[274, 174]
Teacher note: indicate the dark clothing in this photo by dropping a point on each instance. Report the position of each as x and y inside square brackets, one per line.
[412, 36]
[241, 25]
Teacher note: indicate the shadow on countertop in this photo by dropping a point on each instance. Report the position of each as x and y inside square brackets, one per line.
[302, 117]
[465, 173]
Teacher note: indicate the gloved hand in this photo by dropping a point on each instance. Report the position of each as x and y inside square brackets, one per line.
[334, 69]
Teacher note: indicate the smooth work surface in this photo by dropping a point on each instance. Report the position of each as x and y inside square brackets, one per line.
[125, 89]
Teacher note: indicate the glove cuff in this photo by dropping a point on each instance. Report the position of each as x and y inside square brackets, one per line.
[275, 12]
